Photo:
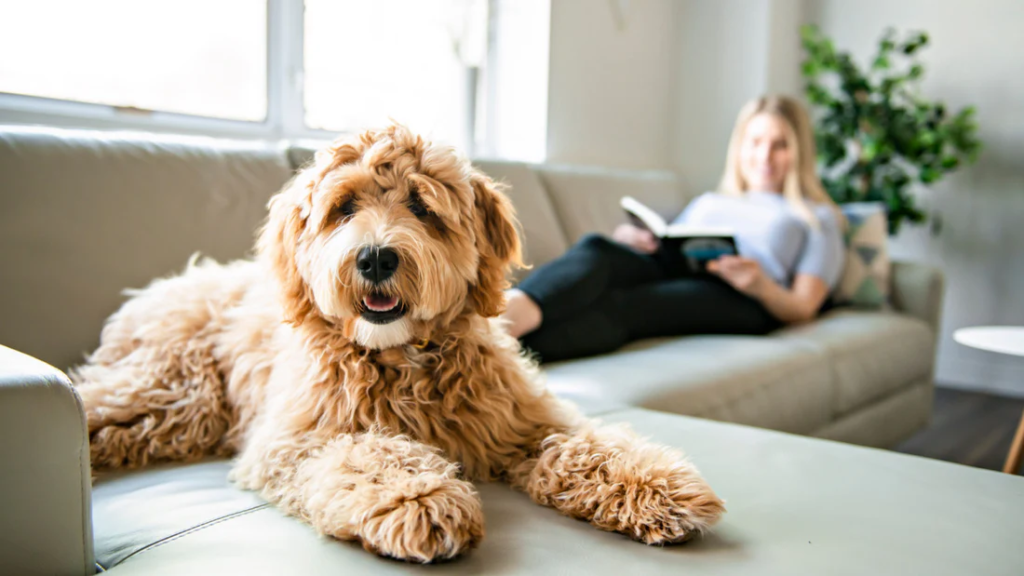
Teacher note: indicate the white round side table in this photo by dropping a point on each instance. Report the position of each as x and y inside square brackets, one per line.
[1005, 340]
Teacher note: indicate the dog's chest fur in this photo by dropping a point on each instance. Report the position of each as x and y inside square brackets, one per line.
[484, 417]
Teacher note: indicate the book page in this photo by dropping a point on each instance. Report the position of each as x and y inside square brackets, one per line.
[654, 222]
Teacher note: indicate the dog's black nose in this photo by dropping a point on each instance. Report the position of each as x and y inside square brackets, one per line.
[377, 264]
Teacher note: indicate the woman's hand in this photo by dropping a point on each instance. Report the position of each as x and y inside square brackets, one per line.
[743, 274]
[638, 239]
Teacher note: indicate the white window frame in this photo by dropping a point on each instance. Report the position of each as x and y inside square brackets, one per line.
[282, 16]
[285, 113]
[285, 118]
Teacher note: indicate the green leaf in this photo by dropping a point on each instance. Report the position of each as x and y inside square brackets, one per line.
[818, 95]
[928, 175]
[914, 43]
[808, 32]
[869, 149]
[880, 63]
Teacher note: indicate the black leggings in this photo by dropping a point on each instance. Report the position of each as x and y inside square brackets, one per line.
[600, 295]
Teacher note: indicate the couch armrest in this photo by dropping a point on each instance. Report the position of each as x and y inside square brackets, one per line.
[917, 290]
[45, 482]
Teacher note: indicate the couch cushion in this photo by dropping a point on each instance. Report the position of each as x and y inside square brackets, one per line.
[137, 509]
[84, 215]
[796, 506]
[746, 379]
[587, 199]
[871, 354]
[543, 238]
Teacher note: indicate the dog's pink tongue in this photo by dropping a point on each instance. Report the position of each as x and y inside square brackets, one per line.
[379, 302]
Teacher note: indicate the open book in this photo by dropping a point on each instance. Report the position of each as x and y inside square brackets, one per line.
[683, 249]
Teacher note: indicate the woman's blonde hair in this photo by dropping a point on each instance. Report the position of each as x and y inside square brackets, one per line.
[801, 183]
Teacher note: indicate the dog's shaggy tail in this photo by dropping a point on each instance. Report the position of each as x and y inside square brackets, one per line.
[153, 389]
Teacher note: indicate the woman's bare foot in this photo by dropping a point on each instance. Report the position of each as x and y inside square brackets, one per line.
[521, 312]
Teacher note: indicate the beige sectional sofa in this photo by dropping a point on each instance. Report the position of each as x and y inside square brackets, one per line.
[85, 214]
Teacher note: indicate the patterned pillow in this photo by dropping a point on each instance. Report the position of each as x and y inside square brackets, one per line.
[865, 279]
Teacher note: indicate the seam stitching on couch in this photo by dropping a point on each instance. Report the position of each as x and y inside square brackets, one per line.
[191, 530]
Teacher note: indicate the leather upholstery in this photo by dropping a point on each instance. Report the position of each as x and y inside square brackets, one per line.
[44, 476]
[587, 199]
[85, 215]
[796, 506]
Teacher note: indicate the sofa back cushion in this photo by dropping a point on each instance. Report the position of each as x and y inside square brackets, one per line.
[587, 199]
[84, 215]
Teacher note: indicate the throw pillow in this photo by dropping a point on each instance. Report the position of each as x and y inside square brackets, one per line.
[865, 279]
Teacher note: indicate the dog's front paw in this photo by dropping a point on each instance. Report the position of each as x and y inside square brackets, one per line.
[426, 519]
[657, 508]
[624, 484]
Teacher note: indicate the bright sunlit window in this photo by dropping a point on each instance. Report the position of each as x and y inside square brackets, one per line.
[198, 57]
[471, 73]
[409, 60]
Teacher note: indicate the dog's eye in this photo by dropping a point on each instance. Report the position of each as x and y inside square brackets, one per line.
[417, 208]
[343, 211]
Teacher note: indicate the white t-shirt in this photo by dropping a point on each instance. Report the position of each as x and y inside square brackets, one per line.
[768, 230]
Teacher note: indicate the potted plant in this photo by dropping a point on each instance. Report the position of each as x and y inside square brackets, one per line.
[876, 135]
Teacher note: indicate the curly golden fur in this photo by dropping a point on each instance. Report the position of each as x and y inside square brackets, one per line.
[370, 429]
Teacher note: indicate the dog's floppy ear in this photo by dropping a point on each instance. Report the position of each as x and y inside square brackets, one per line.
[277, 243]
[289, 210]
[497, 243]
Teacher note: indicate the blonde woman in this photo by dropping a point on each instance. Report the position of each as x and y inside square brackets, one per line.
[603, 293]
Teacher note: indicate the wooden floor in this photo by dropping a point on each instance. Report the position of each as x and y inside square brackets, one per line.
[969, 428]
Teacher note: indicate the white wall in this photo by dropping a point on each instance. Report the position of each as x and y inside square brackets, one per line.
[612, 87]
[662, 90]
[723, 60]
[974, 58]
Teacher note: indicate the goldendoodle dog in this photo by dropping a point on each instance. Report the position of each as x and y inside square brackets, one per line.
[359, 371]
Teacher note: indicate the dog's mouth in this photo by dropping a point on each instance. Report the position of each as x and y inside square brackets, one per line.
[381, 309]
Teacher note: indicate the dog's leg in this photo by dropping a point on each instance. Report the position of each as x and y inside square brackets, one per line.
[167, 406]
[620, 482]
[399, 497]
[153, 390]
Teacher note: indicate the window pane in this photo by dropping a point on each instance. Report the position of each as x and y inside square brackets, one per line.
[366, 62]
[201, 57]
